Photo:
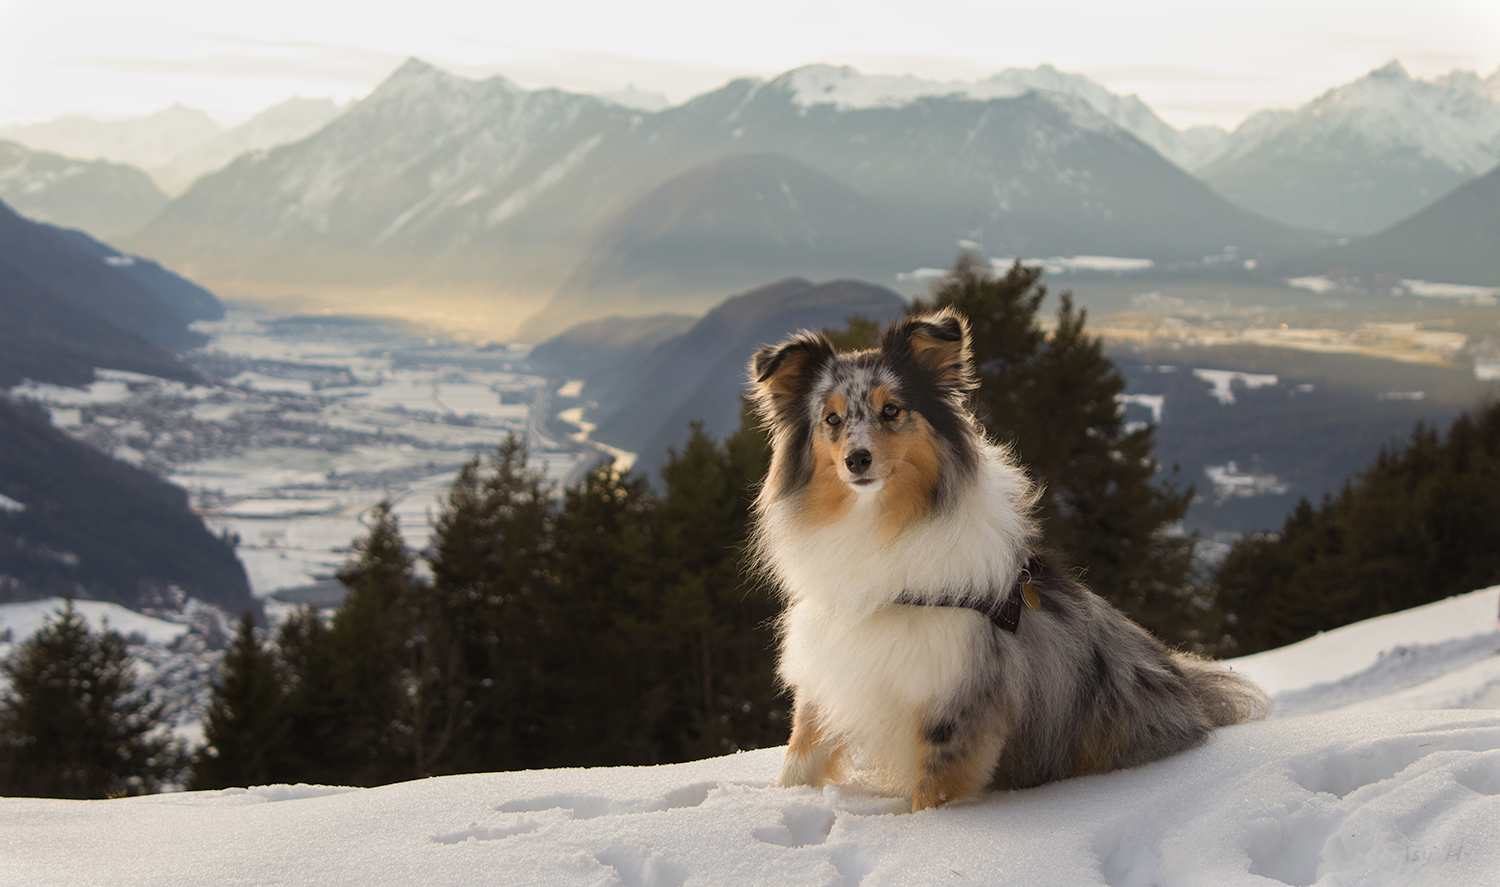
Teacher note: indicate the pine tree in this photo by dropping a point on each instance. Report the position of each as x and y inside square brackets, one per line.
[1052, 397]
[1417, 525]
[494, 566]
[373, 640]
[718, 615]
[246, 731]
[313, 704]
[75, 724]
[603, 674]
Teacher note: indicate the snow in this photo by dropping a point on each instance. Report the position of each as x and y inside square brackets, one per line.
[846, 88]
[1342, 653]
[322, 422]
[1088, 102]
[1315, 284]
[19, 621]
[1153, 402]
[1397, 798]
[1066, 264]
[111, 386]
[1427, 289]
[1231, 483]
[1223, 382]
[1050, 264]
[1382, 789]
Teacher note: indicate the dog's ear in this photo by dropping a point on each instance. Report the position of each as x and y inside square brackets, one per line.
[937, 342]
[777, 371]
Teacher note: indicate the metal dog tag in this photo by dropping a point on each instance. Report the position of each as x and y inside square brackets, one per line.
[1030, 596]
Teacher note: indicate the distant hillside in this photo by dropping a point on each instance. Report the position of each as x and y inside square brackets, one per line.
[1456, 240]
[721, 225]
[1364, 155]
[438, 184]
[1324, 418]
[140, 141]
[646, 399]
[592, 348]
[99, 196]
[73, 521]
[44, 335]
[187, 299]
[88, 525]
[99, 279]
[288, 121]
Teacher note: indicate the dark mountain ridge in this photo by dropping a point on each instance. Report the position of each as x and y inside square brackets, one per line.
[84, 272]
[98, 528]
[1455, 240]
[81, 523]
[646, 399]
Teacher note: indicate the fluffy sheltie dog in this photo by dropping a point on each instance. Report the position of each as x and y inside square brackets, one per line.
[922, 631]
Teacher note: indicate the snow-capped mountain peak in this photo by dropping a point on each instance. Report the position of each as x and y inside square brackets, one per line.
[1365, 154]
[1447, 120]
[847, 88]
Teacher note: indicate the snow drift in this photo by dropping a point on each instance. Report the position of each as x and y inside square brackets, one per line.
[1348, 796]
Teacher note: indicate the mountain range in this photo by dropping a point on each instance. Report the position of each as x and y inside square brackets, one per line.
[1364, 155]
[436, 181]
[173, 146]
[139, 141]
[847, 88]
[101, 196]
[441, 195]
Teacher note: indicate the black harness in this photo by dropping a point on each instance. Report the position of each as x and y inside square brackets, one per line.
[1004, 613]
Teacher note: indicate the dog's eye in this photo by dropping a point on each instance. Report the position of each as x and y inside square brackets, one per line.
[833, 420]
[890, 411]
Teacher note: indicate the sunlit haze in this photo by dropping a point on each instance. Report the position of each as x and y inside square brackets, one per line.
[1195, 63]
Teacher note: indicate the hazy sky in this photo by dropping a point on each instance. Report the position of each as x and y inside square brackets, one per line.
[1194, 62]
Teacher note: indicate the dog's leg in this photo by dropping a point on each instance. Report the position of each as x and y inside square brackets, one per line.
[810, 758]
[954, 760]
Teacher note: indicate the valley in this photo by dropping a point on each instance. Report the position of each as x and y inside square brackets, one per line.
[309, 422]
[1264, 395]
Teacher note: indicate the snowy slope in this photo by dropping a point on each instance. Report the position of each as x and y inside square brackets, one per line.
[1407, 798]
[1333, 799]
[19, 621]
[1354, 655]
[848, 88]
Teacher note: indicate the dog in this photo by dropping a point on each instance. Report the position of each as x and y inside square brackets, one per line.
[923, 636]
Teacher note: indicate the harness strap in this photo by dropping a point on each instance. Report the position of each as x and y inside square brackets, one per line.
[1003, 614]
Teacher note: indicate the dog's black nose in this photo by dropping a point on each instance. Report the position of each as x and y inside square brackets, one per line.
[858, 462]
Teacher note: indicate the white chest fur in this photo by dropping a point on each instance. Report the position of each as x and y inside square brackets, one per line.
[876, 670]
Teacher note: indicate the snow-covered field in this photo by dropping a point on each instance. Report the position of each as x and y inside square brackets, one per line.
[1388, 784]
[311, 426]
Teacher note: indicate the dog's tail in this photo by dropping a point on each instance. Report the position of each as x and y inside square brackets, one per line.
[1226, 697]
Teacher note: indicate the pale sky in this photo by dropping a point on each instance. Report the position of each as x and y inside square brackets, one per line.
[1193, 61]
